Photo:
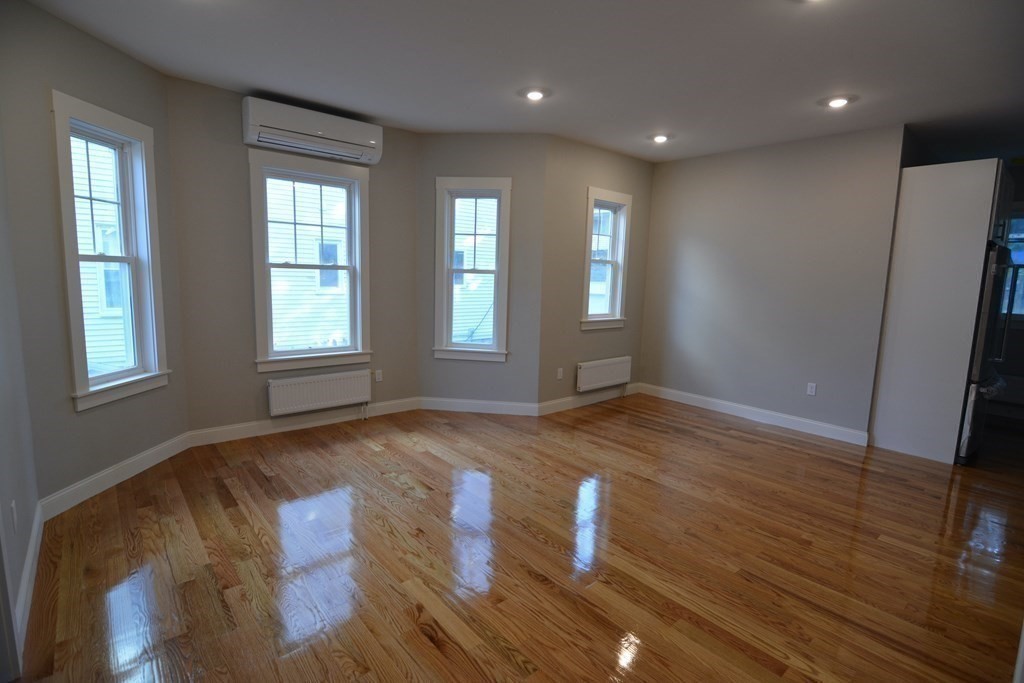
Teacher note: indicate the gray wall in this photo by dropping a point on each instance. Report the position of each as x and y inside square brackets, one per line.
[210, 167]
[572, 167]
[17, 468]
[523, 158]
[50, 54]
[767, 270]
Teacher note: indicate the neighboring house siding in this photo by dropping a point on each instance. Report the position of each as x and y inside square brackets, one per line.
[104, 333]
[306, 315]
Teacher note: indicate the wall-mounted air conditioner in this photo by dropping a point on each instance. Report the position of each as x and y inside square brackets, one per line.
[292, 129]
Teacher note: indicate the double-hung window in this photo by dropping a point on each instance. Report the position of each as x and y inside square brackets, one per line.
[471, 288]
[310, 253]
[607, 232]
[108, 206]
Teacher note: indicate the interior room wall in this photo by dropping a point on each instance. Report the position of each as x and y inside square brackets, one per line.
[210, 166]
[17, 467]
[523, 158]
[767, 271]
[572, 167]
[51, 54]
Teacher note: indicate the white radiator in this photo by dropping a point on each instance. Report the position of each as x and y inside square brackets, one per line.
[597, 374]
[316, 392]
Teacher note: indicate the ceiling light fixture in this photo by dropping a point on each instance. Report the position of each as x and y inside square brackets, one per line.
[535, 94]
[837, 101]
[660, 138]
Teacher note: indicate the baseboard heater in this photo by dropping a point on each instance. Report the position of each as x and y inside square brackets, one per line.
[598, 374]
[316, 392]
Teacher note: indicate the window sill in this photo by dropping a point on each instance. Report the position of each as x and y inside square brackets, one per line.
[601, 323]
[122, 388]
[489, 355]
[318, 361]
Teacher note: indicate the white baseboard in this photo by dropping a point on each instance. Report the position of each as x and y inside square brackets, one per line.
[462, 405]
[800, 424]
[579, 400]
[27, 586]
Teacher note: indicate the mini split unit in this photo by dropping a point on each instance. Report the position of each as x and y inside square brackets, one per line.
[302, 131]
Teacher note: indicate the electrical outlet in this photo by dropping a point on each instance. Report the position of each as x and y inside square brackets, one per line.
[812, 389]
[379, 376]
[559, 374]
[14, 516]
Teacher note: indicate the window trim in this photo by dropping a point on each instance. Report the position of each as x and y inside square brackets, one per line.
[617, 317]
[135, 140]
[316, 170]
[447, 189]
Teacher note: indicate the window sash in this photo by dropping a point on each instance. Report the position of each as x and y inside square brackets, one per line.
[619, 205]
[452, 233]
[128, 229]
[351, 248]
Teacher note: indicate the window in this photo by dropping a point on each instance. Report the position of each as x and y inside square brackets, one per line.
[310, 251]
[471, 297]
[108, 207]
[605, 272]
[1014, 284]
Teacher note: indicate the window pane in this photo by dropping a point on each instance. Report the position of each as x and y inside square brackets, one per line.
[281, 242]
[83, 225]
[309, 238]
[464, 245]
[465, 215]
[473, 310]
[339, 236]
[601, 247]
[486, 252]
[79, 167]
[280, 204]
[307, 203]
[487, 215]
[109, 318]
[306, 317]
[103, 172]
[335, 206]
[600, 302]
[107, 228]
[602, 221]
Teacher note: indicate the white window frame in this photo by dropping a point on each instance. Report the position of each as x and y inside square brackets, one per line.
[275, 164]
[623, 205]
[448, 189]
[139, 216]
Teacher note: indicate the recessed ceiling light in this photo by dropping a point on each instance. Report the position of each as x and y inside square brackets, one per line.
[535, 94]
[837, 101]
[660, 138]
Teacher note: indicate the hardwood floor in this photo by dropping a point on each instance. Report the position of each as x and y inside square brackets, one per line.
[636, 539]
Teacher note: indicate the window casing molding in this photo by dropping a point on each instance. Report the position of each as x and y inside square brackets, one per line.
[614, 260]
[448, 190]
[140, 257]
[264, 164]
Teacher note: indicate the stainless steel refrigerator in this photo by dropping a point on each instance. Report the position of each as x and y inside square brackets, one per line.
[992, 327]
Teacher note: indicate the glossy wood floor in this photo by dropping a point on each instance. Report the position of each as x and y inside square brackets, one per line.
[637, 539]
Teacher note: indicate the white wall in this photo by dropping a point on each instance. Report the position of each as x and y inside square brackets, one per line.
[48, 55]
[572, 167]
[17, 466]
[522, 158]
[210, 170]
[766, 271]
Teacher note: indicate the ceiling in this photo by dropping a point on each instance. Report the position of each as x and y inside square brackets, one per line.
[718, 74]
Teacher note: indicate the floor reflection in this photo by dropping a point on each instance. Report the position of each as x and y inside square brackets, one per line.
[629, 646]
[589, 521]
[472, 546]
[131, 606]
[317, 591]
